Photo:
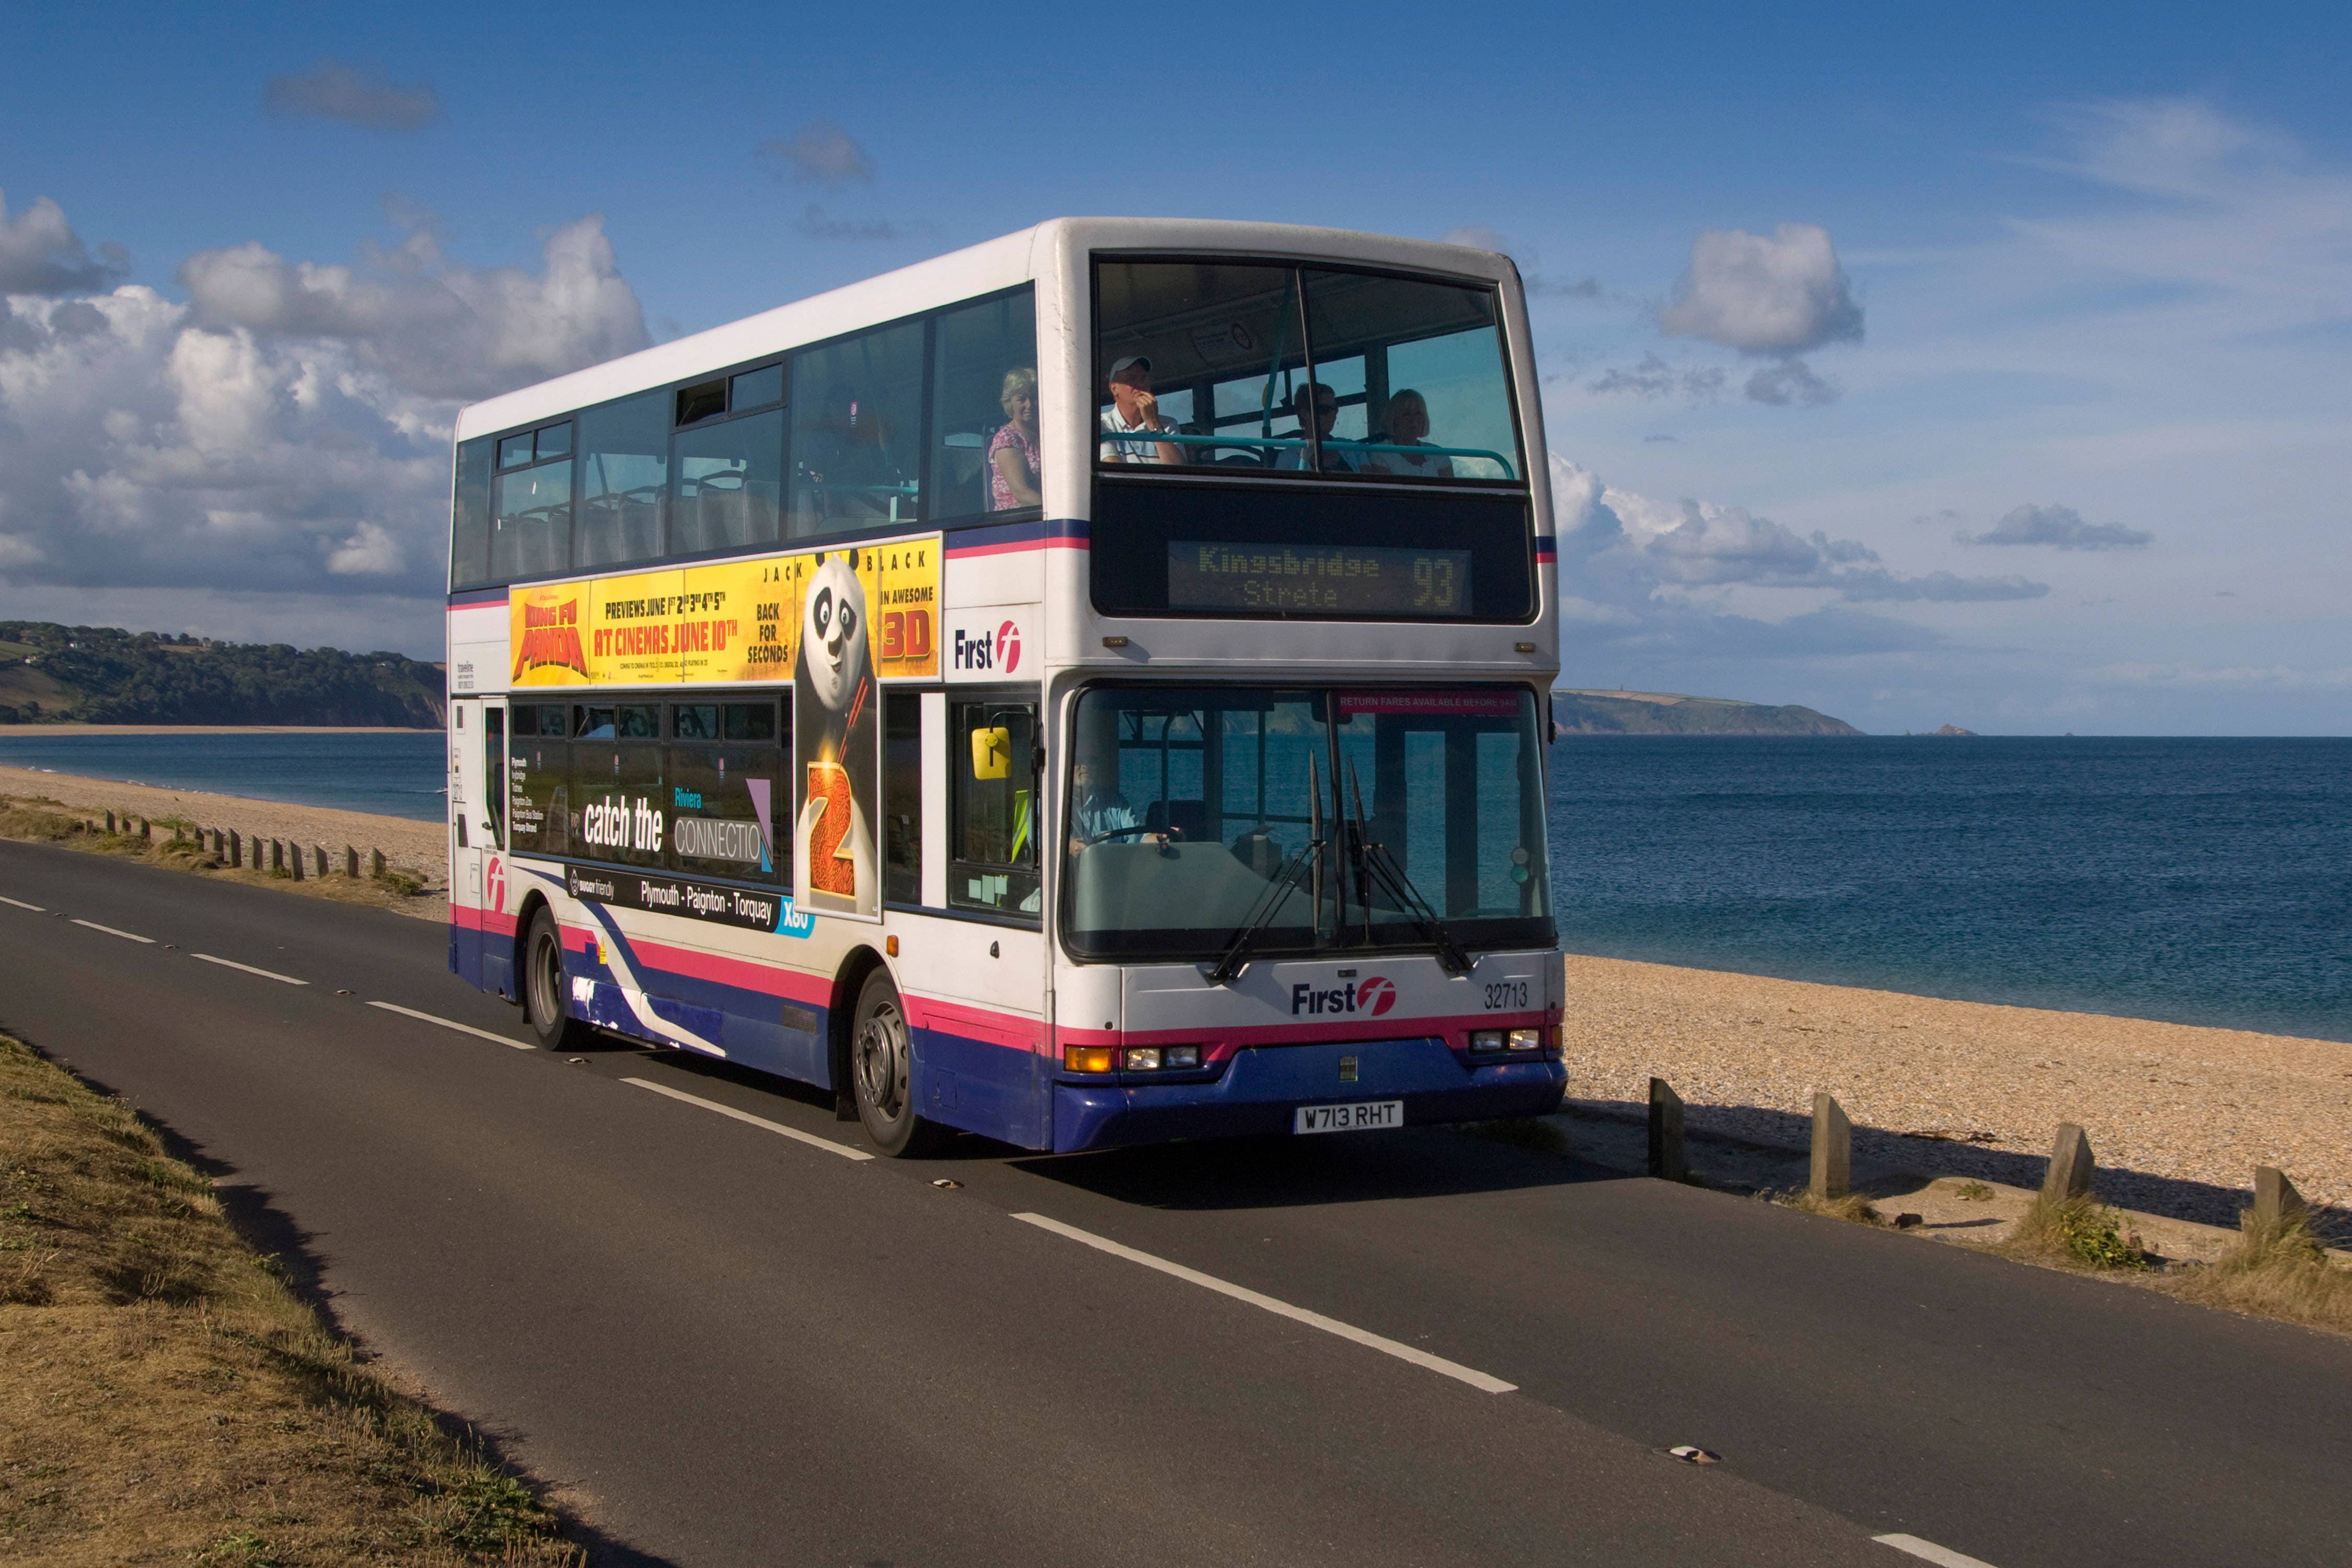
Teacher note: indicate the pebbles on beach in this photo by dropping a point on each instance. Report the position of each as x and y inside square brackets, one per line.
[2179, 1116]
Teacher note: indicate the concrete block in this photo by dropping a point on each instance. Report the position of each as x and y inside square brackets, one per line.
[319, 860]
[277, 854]
[375, 864]
[236, 847]
[2275, 1200]
[2070, 1166]
[1669, 1157]
[351, 863]
[1833, 1172]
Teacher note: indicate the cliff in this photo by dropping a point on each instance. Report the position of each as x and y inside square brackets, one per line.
[104, 675]
[1587, 712]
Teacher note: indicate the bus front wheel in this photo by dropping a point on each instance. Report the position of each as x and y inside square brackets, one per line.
[881, 1072]
[545, 988]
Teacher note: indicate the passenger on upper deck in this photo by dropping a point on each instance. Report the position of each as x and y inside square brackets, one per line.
[1408, 424]
[1133, 409]
[1012, 451]
[1324, 404]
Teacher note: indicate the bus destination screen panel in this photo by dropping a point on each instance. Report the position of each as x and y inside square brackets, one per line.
[1317, 580]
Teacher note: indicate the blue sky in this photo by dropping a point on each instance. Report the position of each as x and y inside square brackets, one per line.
[2054, 441]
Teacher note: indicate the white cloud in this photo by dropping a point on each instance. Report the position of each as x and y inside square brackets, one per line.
[287, 432]
[2277, 676]
[2061, 527]
[819, 154]
[1781, 294]
[355, 95]
[1790, 381]
[370, 551]
[41, 253]
[436, 326]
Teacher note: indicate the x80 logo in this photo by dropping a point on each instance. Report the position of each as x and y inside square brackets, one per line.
[1371, 998]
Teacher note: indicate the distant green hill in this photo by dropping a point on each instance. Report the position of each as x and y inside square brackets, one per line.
[1669, 713]
[103, 675]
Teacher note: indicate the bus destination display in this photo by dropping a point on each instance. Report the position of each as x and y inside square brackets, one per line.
[1312, 580]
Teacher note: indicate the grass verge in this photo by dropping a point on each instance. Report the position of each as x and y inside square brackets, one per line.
[43, 821]
[2277, 1269]
[167, 1399]
[1853, 1208]
[2078, 1231]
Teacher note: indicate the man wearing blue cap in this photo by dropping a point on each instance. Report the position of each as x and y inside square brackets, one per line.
[1134, 411]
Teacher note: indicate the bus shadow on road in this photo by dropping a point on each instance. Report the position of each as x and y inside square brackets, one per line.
[1344, 1168]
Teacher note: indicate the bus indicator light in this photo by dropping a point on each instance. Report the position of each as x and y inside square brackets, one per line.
[1089, 1058]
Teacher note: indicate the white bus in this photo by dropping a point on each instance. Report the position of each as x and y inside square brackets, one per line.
[1090, 689]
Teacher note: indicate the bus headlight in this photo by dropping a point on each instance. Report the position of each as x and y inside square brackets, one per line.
[1182, 1058]
[1526, 1039]
[1144, 1059]
[1484, 1041]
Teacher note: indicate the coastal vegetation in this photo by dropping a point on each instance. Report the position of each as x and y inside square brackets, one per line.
[104, 675]
[1594, 712]
[169, 1397]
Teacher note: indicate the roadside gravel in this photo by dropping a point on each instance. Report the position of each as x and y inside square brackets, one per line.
[2177, 1116]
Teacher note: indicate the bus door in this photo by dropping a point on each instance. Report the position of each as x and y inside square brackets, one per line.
[481, 932]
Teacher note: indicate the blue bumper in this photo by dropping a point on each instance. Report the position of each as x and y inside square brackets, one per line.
[1261, 1085]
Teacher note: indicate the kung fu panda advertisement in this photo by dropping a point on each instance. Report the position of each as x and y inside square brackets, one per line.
[836, 622]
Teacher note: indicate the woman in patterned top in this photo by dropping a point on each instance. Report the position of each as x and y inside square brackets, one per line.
[1012, 451]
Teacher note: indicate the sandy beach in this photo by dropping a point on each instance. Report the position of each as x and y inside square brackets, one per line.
[35, 731]
[2177, 1116]
[416, 847]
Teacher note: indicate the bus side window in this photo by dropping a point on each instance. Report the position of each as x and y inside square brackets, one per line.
[993, 821]
[902, 797]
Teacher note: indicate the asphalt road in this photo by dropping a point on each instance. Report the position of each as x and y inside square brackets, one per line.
[736, 1345]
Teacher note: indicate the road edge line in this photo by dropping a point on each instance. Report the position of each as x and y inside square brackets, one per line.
[827, 1145]
[452, 1023]
[1483, 1381]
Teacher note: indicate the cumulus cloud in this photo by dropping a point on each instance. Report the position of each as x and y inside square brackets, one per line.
[285, 432]
[436, 326]
[1654, 378]
[1790, 381]
[1777, 294]
[355, 95]
[2059, 527]
[819, 154]
[41, 253]
[1630, 549]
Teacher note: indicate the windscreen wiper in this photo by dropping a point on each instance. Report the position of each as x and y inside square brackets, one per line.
[1283, 882]
[1376, 860]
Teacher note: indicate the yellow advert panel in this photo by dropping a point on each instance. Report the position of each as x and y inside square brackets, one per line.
[734, 621]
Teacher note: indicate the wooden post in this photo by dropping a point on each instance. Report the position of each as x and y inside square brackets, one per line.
[2069, 1175]
[297, 858]
[319, 860]
[109, 822]
[375, 864]
[277, 854]
[351, 863]
[1833, 1172]
[236, 847]
[1669, 1157]
[2276, 1202]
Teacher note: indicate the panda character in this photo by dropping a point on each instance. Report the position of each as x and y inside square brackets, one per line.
[834, 745]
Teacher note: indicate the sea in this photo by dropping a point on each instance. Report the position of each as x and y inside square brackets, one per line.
[2189, 880]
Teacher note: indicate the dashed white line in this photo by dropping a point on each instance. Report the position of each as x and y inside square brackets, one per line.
[452, 1023]
[1455, 1370]
[125, 935]
[21, 904]
[1942, 1556]
[249, 969]
[827, 1145]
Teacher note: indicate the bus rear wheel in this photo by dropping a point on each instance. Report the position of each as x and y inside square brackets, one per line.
[546, 991]
[881, 1073]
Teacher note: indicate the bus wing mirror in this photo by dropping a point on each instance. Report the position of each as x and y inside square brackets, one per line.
[991, 752]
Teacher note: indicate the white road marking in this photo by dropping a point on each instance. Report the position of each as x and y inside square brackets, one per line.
[1470, 1375]
[265, 973]
[125, 935]
[827, 1145]
[452, 1023]
[23, 905]
[1942, 1556]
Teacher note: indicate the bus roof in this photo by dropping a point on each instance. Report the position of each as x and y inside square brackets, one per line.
[982, 269]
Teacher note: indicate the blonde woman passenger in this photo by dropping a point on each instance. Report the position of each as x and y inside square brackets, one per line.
[1409, 427]
[1012, 462]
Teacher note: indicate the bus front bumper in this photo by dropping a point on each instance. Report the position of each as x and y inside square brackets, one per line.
[1262, 1088]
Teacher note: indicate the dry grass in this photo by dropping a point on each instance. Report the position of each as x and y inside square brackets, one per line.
[1853, 1208]
[166, 1399]
[2275, 1271]
[44, 821]
[2076, 1231]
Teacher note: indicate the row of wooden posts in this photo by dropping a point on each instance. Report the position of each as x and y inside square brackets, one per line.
[230, 848]
[1832, 1176]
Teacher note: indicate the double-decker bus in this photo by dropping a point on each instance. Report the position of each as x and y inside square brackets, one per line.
[1090, 689]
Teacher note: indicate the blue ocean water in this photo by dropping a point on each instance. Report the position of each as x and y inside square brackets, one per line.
[391, 772]
[2197, 881]
[2200, 881]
